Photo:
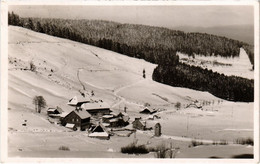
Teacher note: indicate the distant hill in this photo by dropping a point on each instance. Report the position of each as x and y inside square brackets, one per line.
[244, 33]
[154, 44]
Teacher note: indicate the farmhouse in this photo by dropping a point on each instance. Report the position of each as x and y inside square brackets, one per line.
[99, 108]
[139, 124]
[80, 118]
[54, 112]
[146, 110]
[116, 120]
[78, 101]
[99, 131]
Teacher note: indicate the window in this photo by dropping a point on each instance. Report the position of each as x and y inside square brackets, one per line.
[72, 120]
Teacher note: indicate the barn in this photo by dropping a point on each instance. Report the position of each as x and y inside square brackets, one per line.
[139, 124]
[54, 112]
[97, 109]
[80, 118]
[116, 119]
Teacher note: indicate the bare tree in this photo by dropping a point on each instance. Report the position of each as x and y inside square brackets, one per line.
[39, 103]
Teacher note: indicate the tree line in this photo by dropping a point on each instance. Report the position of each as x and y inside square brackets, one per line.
[157, 45]
[134, 40]
[230, 88]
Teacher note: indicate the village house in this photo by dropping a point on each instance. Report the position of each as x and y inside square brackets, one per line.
[116, 120]
[139, 124]
[78, 101]
[80, 118]
[146, 110]
[96, 109]
[98, 131]
[54, 112]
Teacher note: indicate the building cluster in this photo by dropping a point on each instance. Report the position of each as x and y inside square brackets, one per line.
[96, 117]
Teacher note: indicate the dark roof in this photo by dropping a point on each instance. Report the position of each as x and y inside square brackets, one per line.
[147, 110]
[99, 127]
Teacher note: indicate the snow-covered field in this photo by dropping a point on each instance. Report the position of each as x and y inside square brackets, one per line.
[117, 80]
[237, 66]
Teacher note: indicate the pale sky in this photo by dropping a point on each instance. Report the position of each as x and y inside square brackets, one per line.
[165, 16]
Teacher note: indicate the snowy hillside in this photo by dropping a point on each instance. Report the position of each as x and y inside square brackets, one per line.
[237, 66]
[65, 69]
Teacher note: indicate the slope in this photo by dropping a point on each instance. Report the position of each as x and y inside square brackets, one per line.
[65, 68]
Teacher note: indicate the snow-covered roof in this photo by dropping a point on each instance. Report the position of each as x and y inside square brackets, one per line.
[64, 114]
[82, 114]
[113, 120]
[51, 109]
[108, 116]
[106, 124]
[148, 110]
[68, 125]
[95, 105]
[75, 100]
[98, 134]
[123, 113]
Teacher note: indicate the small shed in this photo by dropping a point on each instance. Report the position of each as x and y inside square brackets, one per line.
[99, 131]
[71, 126]
[139, 124]
[54, 112]
[157, 130]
